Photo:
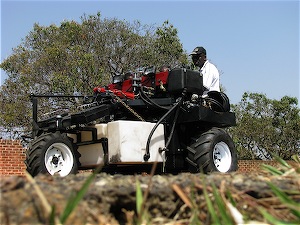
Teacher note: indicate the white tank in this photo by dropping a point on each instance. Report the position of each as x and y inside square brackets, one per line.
[127, 141]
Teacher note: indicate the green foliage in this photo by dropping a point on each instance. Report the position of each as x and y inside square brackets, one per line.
[266, 127]
[74, 57]
[283, 170]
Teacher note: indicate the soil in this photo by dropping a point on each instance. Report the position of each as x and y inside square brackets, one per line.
[171, 199]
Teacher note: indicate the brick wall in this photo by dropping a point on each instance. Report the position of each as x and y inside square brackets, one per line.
[12, 156]
[254, 165]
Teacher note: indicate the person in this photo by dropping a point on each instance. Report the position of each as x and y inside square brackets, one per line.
[210, 73]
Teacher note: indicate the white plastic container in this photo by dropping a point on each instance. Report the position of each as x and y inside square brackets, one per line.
[127, 141]
[91, 155]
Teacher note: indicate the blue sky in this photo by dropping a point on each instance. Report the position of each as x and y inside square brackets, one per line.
[255, 44]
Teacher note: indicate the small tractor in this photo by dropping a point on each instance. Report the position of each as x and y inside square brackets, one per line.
[140, 119]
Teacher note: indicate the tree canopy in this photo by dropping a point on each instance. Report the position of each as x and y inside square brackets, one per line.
[75, 57]
[266, 127]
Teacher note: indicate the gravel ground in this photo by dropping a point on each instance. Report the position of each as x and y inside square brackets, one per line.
[171, 199]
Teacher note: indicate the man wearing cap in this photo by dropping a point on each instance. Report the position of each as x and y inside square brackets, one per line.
[209, 71]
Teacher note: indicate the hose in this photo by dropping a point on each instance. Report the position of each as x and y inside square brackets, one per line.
[149, 101]
[173, 127]
[147, 154]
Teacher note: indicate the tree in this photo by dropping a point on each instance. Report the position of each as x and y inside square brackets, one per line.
[168, 46]
[75, 57]
[266, 127]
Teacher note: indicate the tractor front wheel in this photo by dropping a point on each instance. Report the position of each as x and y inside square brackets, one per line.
[52, 153]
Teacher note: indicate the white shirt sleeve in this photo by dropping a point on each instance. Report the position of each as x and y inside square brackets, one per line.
[210, 76]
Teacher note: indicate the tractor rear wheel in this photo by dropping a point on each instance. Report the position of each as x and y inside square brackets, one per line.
[52, 153]
[212, 151]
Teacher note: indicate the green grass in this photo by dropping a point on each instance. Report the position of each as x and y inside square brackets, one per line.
[294, 207]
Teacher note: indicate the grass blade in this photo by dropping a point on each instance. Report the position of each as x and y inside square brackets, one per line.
[52, 216]
[273, 220]
[76, 198]
[139, 198]
[284, 198]
[282, 162]
[210, 207]
[272, 169]
[296, 158]
[226, 219]
[195, 211]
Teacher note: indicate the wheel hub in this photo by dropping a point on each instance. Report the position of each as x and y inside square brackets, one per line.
[59, 159]
[55, 160]
[222, 157]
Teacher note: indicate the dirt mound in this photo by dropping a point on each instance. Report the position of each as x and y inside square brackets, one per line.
[111, 199]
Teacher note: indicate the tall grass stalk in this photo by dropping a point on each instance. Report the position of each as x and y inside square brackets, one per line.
[49, 210]
[215, 218]
[292, 205]
[141, 198]
[72, 202]
[75, 198]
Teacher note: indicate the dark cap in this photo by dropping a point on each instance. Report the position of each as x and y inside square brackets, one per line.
[198, 51]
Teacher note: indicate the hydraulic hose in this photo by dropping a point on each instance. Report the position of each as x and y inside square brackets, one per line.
[147, 154]
[143, 97]
[149, 101]
[173, 127]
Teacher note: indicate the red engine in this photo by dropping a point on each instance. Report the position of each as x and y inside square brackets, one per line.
[128, 85]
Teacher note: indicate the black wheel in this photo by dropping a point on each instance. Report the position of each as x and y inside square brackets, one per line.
[52, 153]
[212, 151]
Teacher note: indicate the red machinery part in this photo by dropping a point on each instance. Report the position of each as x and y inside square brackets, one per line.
[161, 77]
